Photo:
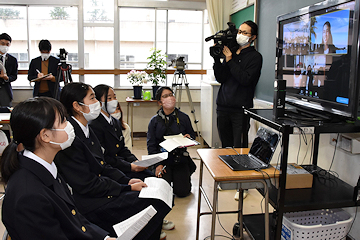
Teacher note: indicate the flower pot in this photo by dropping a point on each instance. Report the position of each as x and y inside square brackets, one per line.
[154, 88]
[137, 92]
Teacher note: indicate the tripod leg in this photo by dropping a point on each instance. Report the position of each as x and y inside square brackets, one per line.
[193, 110]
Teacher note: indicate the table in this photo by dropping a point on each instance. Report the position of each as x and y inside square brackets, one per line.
[220, 172]
[130, 102]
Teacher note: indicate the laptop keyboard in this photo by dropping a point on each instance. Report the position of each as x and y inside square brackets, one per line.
[246, 161]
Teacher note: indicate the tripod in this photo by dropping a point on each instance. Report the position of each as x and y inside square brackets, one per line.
[63, 74]
[178, 80]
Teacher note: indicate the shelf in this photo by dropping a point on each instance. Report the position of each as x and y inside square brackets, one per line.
[254, 225]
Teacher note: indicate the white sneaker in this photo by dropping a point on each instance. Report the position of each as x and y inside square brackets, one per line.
[245, 194]
[163, 236]
[168, 225]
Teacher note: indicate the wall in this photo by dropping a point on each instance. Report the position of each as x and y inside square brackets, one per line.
[345, 164]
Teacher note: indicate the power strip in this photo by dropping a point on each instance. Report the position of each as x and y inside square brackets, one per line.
[306, 130]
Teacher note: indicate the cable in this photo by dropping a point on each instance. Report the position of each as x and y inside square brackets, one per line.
[232, 237]
[332, 161]
[218, 236]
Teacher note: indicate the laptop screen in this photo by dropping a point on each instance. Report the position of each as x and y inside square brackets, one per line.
[264, 145]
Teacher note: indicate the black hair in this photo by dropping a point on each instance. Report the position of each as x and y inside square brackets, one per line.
[72, 92]
[253, 26]
[5, 36]
[27, 120]
[45, 45]
[102, 90]
[159, 92]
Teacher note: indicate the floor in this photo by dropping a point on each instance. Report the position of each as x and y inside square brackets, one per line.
[184, 212]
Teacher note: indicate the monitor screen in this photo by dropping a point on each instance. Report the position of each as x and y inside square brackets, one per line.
[314, 57]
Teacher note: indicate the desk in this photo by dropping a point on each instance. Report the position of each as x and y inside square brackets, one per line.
[220, 172]
[130, 102]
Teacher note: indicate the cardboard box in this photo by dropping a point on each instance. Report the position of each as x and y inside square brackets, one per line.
[297, 177]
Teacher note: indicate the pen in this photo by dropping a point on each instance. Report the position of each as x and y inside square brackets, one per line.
[37, 70]
[162, 170]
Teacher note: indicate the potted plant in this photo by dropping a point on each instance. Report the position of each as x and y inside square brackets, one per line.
[137, 78]
[157, 66]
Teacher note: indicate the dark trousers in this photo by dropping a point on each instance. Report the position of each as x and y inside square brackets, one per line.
[179, 175]
[231, 128]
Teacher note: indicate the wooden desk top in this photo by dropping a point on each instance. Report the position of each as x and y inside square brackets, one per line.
[132, 100]
[5, 118]
[221, 172]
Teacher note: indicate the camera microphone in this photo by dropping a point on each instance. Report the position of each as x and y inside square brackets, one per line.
[209, 38]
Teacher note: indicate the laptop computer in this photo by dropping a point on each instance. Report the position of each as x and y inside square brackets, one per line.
[260, 154]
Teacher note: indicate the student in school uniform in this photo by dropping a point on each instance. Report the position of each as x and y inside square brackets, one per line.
[126, 131]
[103, 194]
[37, 202]
[169, 120]
[109, 132]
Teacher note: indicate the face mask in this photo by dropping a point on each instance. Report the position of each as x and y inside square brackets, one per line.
[4, 49]
[242, 40]
[116, 115]
[69, 129]
[169, 103]
[45, 56]
[95, 110]
[111, 106]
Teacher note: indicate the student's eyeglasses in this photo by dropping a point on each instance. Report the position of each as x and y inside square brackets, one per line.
[168, 95]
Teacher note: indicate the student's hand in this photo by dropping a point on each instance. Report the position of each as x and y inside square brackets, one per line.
[187, 135]
[111, 239]
[136, 168]
[159, 171]
[138, 186]
[4, 76]
[40, 75]
[134, 180]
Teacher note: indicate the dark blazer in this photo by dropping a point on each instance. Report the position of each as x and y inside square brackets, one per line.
[93, 183]
[36, 206]
[11, 66]
[53, 68]
[112, 140]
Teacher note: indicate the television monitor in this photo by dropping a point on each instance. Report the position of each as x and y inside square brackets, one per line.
[318, 56]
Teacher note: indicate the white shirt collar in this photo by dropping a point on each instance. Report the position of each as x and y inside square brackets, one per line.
[50, 167]
[85, 129]
[107, 118]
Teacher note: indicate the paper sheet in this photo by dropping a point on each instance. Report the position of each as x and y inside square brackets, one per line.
[157, 188]
[175, 141]
[130, 227]
[149, 160]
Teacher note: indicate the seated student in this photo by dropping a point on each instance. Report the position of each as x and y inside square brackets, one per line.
[102, 193]
[38, 204]
[118, 114]
[42, 65]
[169, 120]
[108, 131]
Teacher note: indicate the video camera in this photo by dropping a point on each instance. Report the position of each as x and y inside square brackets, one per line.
[63, 54]
[223, 38]
[178, 63]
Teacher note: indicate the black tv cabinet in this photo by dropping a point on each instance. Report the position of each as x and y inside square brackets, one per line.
[323, 194]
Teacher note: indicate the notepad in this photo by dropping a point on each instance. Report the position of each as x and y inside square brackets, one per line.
[157, 188]
[149, 160]
[175, 141]
[39, 78]
[130, 227]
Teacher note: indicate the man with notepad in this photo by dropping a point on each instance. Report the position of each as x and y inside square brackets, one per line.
[170, 121]
[44, 68]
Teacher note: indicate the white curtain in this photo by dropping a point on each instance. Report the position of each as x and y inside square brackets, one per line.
[216, 15]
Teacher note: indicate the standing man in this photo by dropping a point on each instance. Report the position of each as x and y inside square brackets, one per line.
[238, 74]
[9, 71]
[41, 66]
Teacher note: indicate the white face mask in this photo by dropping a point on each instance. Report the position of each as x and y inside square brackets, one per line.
[4, 49]
[45, 56]
[169, 103]
[242, 40]
[69, 129]
[116, 115]
[111, 106]
[95, 110]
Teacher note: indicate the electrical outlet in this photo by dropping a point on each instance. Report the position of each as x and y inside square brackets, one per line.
[306, 130]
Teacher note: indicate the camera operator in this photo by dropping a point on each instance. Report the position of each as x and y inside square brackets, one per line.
[41, 66]
[238, 75]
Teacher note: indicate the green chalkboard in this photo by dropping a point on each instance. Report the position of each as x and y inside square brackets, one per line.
[243, 15]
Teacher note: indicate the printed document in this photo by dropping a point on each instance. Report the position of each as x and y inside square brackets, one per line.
[148, 160]
[157, 188]
[130, 227]
[175, 141]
